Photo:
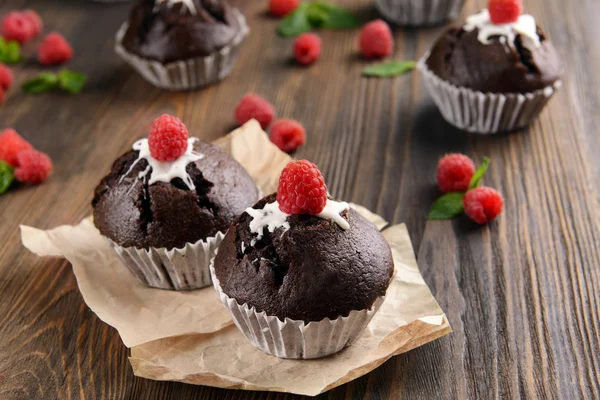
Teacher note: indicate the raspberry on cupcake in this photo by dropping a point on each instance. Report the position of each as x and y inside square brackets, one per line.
[167, 203]
[298, 263]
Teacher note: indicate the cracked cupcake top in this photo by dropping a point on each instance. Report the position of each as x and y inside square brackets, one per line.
[133, 212]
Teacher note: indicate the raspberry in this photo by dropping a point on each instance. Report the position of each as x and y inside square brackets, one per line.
[168, 138]
[6, 77]
[454, 173]
[254, 106]
[16, 26]
[34, 166]
[37, 26]
[483, 204]
[54, 49]
[287, 134]
[307, 48]
[11, 144]
[279, 8]
[301, 189]
[376, 40]
[505, 11]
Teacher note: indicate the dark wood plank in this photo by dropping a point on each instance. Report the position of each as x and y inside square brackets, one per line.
[522, 294]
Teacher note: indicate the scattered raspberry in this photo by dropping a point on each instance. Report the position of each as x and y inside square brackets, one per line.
[6, 77]
[254, 106]
[34, 166]
[16, 26]
[287, 134]
[307, 48]
[279, 8]
[11, 144]
[301, 189]
[168, 138]
[454, 173]
[505, 11]
[54, 50]
[37, 26]
[376, 40]
[483, 204]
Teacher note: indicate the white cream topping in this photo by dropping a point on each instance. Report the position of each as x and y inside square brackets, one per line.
[271, 217]
[165, 171]
[524, 26]
[189, 4]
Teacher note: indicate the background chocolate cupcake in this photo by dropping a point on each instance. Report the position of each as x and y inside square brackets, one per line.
[182, 44]
[419, 12]
[165, 218]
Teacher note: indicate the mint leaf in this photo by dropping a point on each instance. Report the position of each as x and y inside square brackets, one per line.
[448, 206]
[296, 22]
[12, 53]
[7, 176]
[72, 82]
[335, 17]
[317, 15]
[42, 83]
[389, 69]
[479, 173]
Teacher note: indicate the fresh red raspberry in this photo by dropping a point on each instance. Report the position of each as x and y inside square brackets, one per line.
[454, 173]
[168, 138]
[254, 106]
[11, 144]
[279, 8]
[6, 77]
[505, 11]
[16, 26]
[301, 189]
[483, 204]
[37, 26]
[34, 166]
[307, 48]
[54, 49]
[287, 134]
[376, 40]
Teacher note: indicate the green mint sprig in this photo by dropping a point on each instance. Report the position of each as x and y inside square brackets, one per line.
[314, 15]
[389, 69]
[10, 52]
[69, 81]
[7, 177]
[450, 205]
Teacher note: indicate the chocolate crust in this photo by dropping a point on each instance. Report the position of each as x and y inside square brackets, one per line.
[459, 58]
[169, 215]
[169, 33]
[312, 271]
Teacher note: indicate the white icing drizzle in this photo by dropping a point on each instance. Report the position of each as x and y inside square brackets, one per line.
[271, 217]
[525, 26]
[189, 4]
[165, 171]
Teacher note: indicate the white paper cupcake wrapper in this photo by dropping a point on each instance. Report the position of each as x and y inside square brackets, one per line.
[176, 269]
[186, 74]
[484, 113]
[419, 12]
[292, 338]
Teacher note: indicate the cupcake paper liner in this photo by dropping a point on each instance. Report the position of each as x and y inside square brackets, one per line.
[484, 113]
[296, 339]
[186, 74]
[419, 12]
[176, 269]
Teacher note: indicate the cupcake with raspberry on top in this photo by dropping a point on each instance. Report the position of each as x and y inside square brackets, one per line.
[182, 44]
[495, 73]
[302, 274]
[167, 203]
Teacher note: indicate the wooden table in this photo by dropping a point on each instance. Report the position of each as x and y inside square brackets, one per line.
[522, 294]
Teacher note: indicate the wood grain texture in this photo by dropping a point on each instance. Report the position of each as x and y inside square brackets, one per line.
[522, 294]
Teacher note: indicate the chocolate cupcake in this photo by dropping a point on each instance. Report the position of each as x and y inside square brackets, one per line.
[419, 12]
[182, 44]
[488, 77]
[165, 218]
[304, 282]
